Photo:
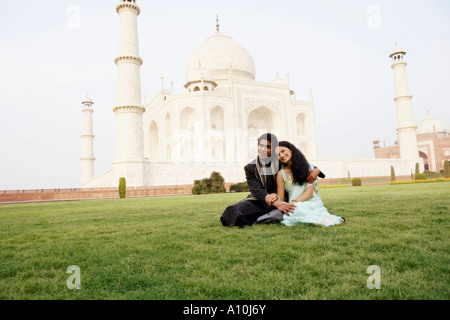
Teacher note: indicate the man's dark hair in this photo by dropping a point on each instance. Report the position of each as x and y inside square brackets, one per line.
[271, 138]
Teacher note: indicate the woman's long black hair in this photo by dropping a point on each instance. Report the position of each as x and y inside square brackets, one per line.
[300, 166]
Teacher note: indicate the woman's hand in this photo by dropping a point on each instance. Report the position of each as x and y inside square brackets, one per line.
[276, 203]
[284, 207]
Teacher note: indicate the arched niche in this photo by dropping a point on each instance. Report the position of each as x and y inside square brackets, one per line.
[154, 141]
[167, 125]
[259, 121]
[168, 153]
[300, 121]
[424, 156]
[217, 119]
[187, 119]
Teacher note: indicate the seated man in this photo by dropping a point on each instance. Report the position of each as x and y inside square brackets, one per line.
[259, 206]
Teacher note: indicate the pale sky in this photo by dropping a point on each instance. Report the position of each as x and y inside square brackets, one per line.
[54, 52]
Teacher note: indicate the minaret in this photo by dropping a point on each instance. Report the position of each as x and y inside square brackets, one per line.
[406, 128]
[87, 142]
[129, 108]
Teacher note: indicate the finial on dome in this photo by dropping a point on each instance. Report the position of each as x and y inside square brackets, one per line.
[217, 23]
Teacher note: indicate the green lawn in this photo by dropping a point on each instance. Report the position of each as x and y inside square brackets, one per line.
[175, 248]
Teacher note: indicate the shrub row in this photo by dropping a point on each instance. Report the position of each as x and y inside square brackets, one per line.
[421, 181]
[216, 183]
[334, 186]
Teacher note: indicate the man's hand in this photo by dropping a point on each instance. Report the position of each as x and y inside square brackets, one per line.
[284, 207]
[313, 176]
[271, 198]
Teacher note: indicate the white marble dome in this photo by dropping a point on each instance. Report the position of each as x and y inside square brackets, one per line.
[429, 125]
[216, 54]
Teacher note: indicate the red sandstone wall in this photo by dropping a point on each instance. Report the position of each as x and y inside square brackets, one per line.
[392, 152]
[103, 193]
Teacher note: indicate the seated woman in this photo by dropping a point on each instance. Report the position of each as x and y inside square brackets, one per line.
[309, 208]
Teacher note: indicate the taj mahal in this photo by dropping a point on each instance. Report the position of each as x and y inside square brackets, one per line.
[174, 139]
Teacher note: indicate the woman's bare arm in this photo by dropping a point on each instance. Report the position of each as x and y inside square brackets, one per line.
[307, 194]
[280, 186]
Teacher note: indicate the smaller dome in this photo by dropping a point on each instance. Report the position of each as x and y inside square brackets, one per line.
[430, 125]
[397, 50]
[200, 73]
[87, 100]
